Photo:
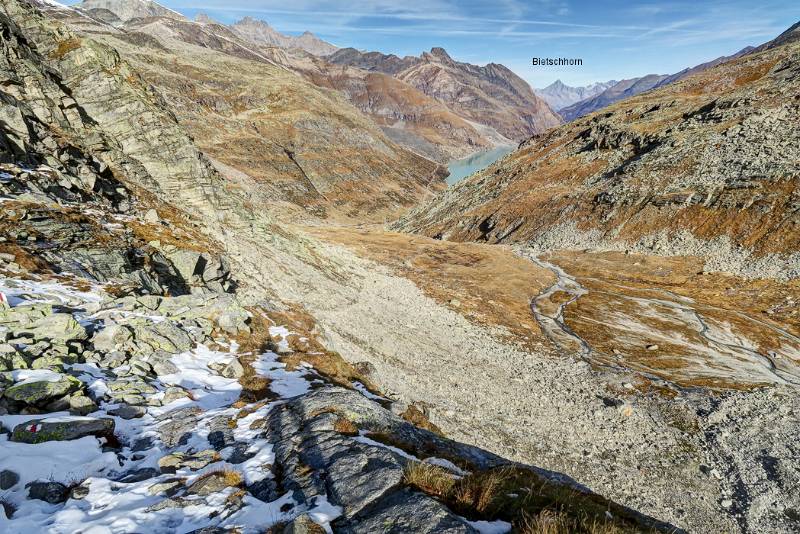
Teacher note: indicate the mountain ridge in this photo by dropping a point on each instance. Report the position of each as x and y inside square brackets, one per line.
[467, 89]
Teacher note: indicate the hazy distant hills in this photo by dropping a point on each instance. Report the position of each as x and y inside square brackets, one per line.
[559, 95]
[260, 32]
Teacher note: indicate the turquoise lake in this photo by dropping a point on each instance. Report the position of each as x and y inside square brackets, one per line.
[461, 168]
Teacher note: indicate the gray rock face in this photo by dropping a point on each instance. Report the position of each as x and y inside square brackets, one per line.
[62, 429]
[69, 80]
[406, 511]
[365, 480]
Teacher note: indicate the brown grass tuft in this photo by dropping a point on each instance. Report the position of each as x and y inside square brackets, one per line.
[431, 479]
[554, 522]
[533, 504]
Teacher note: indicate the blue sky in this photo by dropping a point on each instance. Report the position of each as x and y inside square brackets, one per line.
[615, 39]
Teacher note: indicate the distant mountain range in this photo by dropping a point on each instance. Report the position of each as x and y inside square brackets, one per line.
[492, 95]
[118, 12]
[617, 91]
[260, 32]
[559, 95]
[435, 106]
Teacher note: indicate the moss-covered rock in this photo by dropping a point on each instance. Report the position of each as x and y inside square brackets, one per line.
[41, 391]
[62, 429]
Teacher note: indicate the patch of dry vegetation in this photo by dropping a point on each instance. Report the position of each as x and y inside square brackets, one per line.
[345, 426]
[625, 289]
[552, 522]
[532, 503]
[429, 478]
[419, 418]
[302, 341]
[65, 47]
[488, 285]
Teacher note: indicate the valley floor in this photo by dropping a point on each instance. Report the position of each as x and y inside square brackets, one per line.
[679, 399]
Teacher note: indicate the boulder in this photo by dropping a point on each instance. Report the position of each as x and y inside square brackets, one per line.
[302, 525]
[166, 336]
[8, 479]
[187, 262]
[128, 412]
[81, 405]
[232, 369]
[57, 328]
[42, 387]
[138, 475]
[20, 316]
[234, 320]
[168, 487]
[11, 359]
[51, 492]
[62, 429]
[179, 460]
[81, 491]
[151, 216]
[214, 482]
[112, 338]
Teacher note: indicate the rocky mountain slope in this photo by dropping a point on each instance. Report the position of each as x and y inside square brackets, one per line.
[703, 166]
[296, 141]
[149, 381]
[318, 364]
[427, 126]
[560, 95]
[127, 10]
[703, 66]
[491, 95]
[628, 88]
[119, 12]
